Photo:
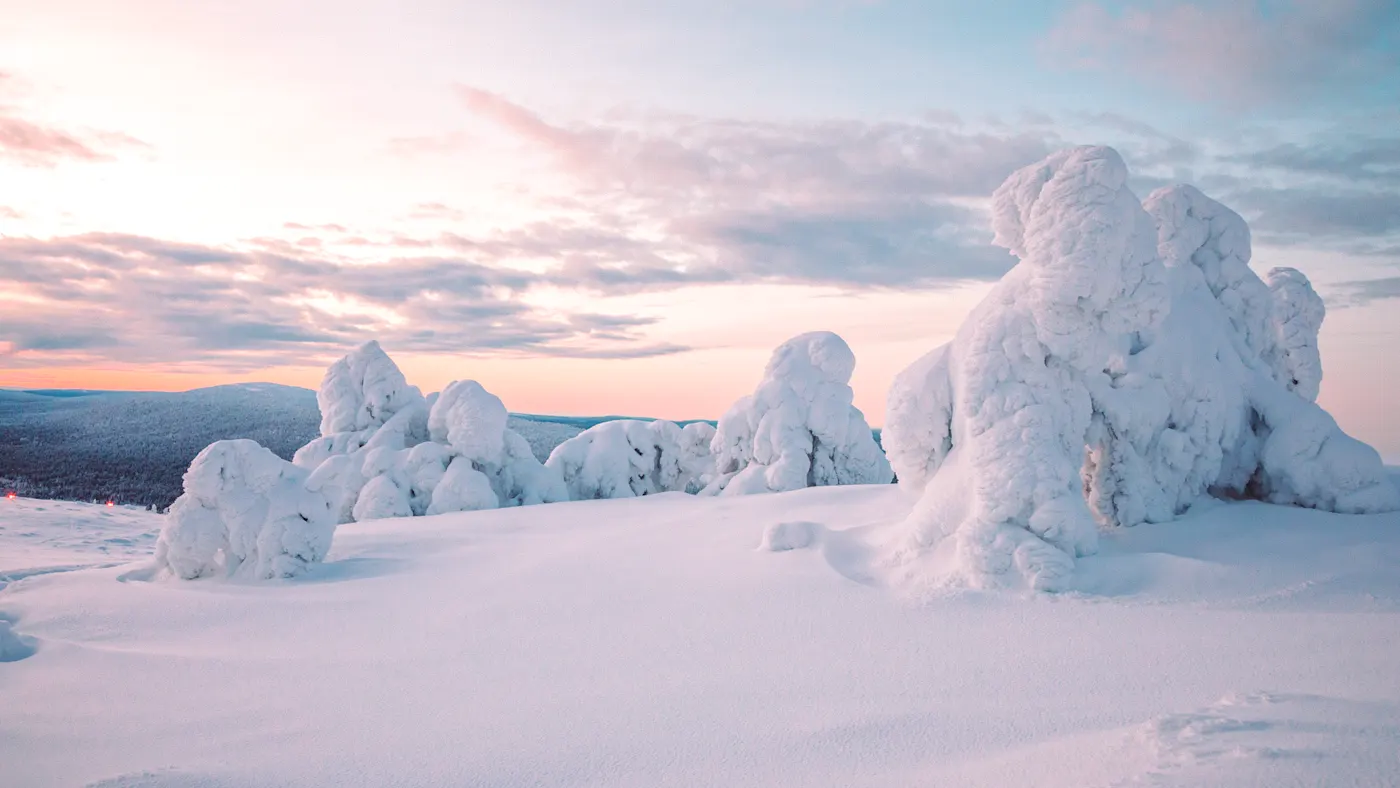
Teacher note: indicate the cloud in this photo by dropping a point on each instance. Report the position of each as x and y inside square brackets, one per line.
[1360, 293]
[7, 212]
[34, 144]
[662, 200]
[1314, 214]
[143, 300]
[1236, 50]
[1351, 158]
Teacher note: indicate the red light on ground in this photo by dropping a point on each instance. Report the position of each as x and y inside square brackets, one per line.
[111, 503]
[9, 496]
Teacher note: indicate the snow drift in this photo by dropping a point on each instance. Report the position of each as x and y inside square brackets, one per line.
[629, 458]
[1131, 363]
[799, 428]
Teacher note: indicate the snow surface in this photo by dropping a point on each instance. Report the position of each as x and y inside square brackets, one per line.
[650, 642]
[798, 429]
[36, 534]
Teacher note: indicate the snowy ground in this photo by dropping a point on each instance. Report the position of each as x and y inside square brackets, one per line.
[648, 642]
[39, 536]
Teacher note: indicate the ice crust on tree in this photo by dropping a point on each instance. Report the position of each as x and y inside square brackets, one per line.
[629, 458]
[246, 512]
[1130, 363]
[798, 429]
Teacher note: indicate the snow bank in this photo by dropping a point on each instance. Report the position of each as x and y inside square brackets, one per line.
[245, 512]
[628, 458]
[799, 428]
[1130, 364]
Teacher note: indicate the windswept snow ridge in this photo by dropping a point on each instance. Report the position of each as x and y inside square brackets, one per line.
[1130, 364]
[799, 428]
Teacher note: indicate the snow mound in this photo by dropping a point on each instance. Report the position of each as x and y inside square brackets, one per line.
[629, 458]
[793, 535]
[1130, 364]
[799, 428]
[245, 512]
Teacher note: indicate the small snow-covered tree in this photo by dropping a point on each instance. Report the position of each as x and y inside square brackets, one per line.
[246, 512]
[799, 428]
[1297, 319]
[626, 458]
[1129, 364]
[697, 461]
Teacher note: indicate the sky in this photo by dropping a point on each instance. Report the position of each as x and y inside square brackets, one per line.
[622, 206]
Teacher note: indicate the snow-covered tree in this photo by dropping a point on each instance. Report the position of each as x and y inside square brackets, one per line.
[246, 512]
[365, 404]
[799, 428]
[485, 455]
[1298, 313]
[698, 462]
[1129, 364]
[627, 458]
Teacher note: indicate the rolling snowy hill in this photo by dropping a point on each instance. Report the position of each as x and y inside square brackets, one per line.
[647, 642]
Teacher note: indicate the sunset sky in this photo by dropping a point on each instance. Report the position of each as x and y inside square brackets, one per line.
[621, 206]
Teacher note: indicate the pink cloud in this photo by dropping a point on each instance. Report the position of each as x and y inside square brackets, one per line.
[34, 144]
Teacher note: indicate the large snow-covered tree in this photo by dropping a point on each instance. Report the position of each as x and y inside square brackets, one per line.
[798, 429]
[1131, 363]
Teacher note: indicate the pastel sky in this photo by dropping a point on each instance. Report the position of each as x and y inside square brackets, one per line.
[620, 206]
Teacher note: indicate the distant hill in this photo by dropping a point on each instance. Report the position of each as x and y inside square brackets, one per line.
[134, 447]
